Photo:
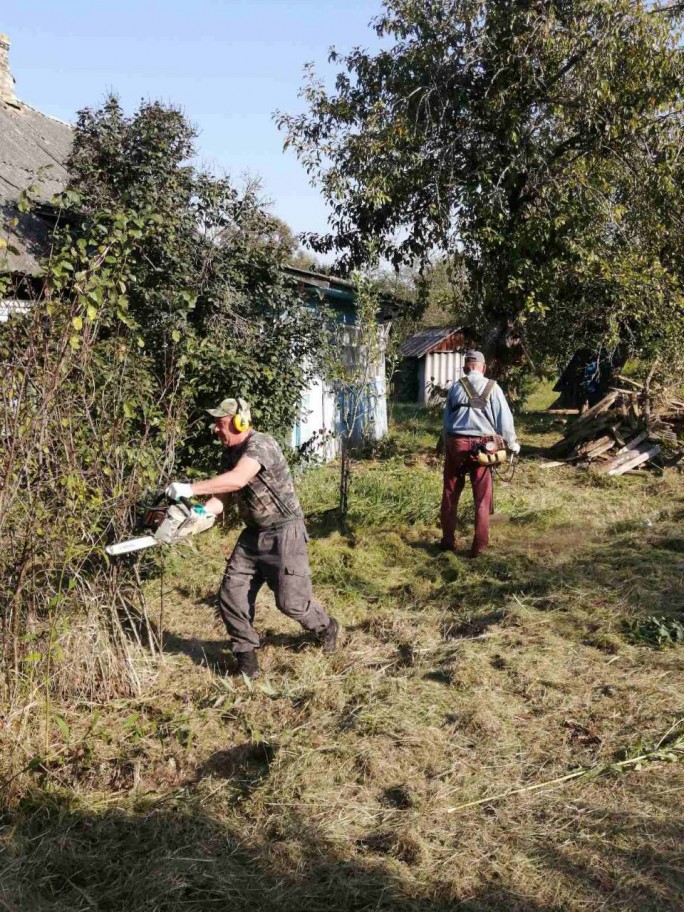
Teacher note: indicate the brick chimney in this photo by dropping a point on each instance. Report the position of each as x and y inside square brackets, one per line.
[6, 79]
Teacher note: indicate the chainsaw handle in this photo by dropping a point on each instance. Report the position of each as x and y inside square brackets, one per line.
[186, 502]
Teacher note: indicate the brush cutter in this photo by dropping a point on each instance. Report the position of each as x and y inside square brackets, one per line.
[168, 524]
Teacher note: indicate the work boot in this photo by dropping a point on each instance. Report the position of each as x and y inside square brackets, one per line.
[447, 545]
[247, 663]
[329, 636]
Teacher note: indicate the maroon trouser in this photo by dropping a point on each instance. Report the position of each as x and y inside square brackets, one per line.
[459, 462]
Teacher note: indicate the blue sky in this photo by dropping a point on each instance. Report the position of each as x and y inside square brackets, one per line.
[229, 64]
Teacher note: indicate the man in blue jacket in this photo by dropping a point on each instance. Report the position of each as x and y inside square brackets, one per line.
[476, 413]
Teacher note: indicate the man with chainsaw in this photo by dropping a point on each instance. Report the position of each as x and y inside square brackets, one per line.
[272, 549]
[477, 425]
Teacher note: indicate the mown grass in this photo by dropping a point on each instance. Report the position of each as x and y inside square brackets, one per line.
[326, 784]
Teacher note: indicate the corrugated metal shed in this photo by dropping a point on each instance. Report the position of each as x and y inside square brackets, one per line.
[433, 339]
[432, 361]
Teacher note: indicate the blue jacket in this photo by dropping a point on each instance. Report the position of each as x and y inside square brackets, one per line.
[471, 422]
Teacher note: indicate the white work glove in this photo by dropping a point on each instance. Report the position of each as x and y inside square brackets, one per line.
[514, 447]
[178, 489]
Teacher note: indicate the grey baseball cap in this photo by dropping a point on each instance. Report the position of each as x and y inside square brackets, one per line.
[229, 407]
[474, 355]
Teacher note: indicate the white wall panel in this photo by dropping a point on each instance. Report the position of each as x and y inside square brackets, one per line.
[441, 369]
[321, 414]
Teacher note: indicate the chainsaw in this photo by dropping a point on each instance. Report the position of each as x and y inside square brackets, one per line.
[168, 524]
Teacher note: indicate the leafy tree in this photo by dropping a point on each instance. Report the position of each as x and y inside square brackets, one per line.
[539, 140]
[215, 311]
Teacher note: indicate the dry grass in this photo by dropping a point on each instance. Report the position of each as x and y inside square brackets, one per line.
[324, 786]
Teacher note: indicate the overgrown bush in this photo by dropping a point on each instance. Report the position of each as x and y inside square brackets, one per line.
[85, 427]
[163, 293]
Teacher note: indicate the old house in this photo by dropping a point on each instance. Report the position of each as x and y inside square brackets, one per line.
[432, 360]
[33, 149]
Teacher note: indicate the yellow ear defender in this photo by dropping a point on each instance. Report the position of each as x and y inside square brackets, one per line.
[241, 419]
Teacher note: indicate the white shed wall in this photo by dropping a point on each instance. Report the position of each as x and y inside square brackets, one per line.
[438, 369]
[322, 406]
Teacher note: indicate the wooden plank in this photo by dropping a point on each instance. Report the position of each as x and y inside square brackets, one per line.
[636, 460]
[618, 389]
[578, 432]
[594, 443]
[638, 445]
[587, 448]
[552, 465]
[633, 443]
[600, 450]
[599, 408]
[629, 380]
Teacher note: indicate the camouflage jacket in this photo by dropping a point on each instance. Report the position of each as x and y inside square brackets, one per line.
[270, 498]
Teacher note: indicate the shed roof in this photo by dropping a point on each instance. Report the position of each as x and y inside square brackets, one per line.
[340, 293]
[33, 149]
[427, 339]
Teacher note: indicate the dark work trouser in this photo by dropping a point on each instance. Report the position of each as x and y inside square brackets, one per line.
[458, 463]
[279, 558]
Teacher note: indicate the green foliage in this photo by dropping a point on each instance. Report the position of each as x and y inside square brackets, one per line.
[83, 432]
[657, 630]
[216, 312]
[539, 140]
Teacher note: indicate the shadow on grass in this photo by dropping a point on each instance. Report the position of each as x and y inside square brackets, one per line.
[638, 573]
[168, 859]
[212, 654]
[215, 654]
[246, 763]
[635, 864]
[540, 423]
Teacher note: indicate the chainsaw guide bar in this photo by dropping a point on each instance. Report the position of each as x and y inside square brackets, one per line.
[170, 525]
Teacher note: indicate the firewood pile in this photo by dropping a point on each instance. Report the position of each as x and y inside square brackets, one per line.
[632, 427]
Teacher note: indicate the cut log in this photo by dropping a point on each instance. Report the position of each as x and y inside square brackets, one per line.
[634, 461]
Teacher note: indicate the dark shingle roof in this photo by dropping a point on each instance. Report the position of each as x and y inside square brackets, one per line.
[33, 149]
[426, 339]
